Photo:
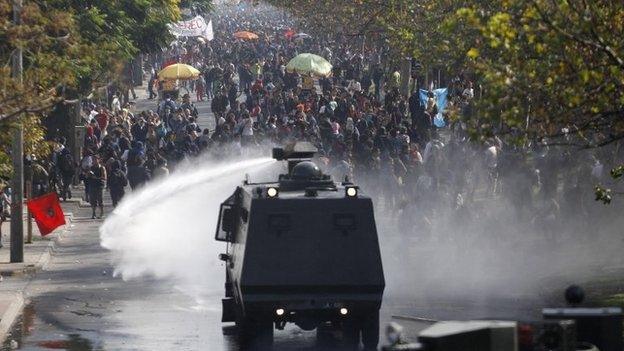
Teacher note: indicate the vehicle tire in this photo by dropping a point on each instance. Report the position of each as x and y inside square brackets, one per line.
[325, 337]
[370, 331]
[228, 285]
[256, 333]
[351, 334]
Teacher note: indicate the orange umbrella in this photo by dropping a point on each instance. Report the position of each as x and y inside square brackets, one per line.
[246, 35]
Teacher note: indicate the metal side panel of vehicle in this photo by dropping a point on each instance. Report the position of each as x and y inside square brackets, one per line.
[310, 252]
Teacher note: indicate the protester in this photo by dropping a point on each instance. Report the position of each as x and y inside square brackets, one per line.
[40, 178]
[65, 167]
[116, 182]
[96, 180]
[5, 203]
[138, 174]
[405, 147]
[161, 169]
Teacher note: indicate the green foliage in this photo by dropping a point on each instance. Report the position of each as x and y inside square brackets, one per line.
[201, 6]
[68, 46]
[545, 66]
[556, 64]
[551, 70]
[112, 32]
[614, 300]
[34, 143]
[617, 172]
[603, 194]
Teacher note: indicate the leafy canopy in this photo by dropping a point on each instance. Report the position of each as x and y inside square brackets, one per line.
[68, 46]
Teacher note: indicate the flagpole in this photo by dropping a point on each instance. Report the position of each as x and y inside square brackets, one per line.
[17, 191]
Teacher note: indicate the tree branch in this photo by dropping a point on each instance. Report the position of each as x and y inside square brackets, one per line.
[600, 45]
[23, 110]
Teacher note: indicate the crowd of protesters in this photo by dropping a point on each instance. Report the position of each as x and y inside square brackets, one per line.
[364, 128]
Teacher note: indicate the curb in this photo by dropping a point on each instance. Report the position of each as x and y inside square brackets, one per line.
[14, 310]
[43, 260]
[10, 315]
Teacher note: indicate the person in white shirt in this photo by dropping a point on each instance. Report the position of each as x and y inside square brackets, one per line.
[5, 203]
[247, 132]
[468, 93]
[491, 162]
[355, 86]
[116, 104]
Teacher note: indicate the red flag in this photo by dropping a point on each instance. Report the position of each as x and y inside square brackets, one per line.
[47, 212]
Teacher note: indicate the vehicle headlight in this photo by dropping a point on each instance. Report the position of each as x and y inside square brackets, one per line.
[272, 192]
[351, 191]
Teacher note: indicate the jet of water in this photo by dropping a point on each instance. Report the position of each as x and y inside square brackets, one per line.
[166, 229]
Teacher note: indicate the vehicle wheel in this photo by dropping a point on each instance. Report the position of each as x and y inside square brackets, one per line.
[370, 331]
[351, 334]
[325, 336]
[256, 334]
[228, 285]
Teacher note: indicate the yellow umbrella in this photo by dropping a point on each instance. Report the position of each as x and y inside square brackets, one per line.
[246, 35]
[178, 71]
[309, 64]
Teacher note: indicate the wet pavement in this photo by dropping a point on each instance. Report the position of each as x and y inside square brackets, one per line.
[76, 304]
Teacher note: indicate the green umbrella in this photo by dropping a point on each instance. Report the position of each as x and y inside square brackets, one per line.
[309, 64]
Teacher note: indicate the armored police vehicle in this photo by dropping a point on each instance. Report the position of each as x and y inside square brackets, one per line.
[301, 250]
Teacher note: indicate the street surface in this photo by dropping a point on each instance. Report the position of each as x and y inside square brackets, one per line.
[77, 304]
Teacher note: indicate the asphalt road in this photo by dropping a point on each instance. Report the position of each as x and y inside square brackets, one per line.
[76, 303]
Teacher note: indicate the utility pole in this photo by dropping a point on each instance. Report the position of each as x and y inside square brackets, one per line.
[17, 191]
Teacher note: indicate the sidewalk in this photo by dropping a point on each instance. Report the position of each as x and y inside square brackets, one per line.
[36, 256]
[36, 253]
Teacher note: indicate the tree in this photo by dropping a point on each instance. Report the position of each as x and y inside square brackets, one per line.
[199, 6]
[68, 45]
[113, 32]
[49, 42]
[551, 70]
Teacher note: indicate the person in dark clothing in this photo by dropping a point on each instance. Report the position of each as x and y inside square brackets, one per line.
[188, 105]
[136, 154]
[66, 168]
[416, 108]
[138, 175]
[40, 179]
[139, 130]
[96, 179]
[150, 87]
[233, 94]
[219, 105]
[117, 181]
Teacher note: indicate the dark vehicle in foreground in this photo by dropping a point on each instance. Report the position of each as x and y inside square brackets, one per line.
[301, 250]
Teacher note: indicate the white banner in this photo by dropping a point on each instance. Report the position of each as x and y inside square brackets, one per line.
[208, 33]
[195, 27]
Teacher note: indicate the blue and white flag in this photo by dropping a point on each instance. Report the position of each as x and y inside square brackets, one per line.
[440, 97]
